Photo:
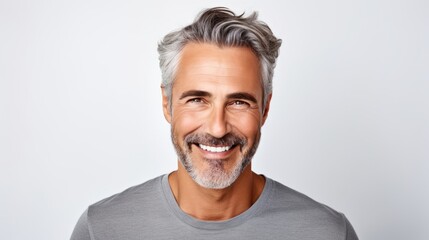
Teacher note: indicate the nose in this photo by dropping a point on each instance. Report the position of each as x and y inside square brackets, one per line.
[217, 122]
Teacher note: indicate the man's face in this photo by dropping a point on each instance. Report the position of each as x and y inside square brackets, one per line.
[216, 113]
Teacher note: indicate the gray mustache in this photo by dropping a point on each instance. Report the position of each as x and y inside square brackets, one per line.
[206, 139]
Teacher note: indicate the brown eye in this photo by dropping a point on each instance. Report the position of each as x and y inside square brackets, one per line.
[238, 103]
[195, 100]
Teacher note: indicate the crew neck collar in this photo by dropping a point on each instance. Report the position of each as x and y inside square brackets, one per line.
[260, 203]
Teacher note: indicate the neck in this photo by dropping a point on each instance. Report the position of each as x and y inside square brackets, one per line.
[216, 204]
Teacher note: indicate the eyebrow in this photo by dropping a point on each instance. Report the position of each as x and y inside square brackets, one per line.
[242, 95]
[195, 93]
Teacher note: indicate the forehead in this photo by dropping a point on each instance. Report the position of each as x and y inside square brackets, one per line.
[209, 66]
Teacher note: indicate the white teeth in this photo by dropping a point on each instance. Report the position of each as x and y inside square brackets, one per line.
[214, 149]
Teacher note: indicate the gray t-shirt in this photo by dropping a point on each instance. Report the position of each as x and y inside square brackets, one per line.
[149, 211]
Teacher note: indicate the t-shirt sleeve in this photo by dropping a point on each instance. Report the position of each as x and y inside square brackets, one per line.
[81, 230]
[350, 232]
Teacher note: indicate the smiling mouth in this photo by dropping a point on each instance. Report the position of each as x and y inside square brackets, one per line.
[215, 149]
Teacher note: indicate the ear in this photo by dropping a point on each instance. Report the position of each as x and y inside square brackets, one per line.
[165, 105]
[267, 109]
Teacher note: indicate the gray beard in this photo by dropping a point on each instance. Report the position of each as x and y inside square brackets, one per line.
[216, 176]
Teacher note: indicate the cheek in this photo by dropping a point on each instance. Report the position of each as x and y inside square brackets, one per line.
[247, 124]
[185, 122]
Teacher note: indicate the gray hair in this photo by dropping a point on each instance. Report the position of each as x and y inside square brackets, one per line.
[222, 27]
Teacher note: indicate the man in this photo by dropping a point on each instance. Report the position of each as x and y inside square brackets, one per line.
[217, 83]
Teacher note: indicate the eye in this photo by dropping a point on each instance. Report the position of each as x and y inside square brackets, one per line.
[239, 104]
[195, 100]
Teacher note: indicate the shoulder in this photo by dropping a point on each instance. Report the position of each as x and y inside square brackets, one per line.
[121, 215]
[129, 201]
[294, 201]
[303, 213]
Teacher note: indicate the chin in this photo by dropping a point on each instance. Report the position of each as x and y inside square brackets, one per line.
[215, 176]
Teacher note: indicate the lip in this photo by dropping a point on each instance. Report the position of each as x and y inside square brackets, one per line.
[215, 155]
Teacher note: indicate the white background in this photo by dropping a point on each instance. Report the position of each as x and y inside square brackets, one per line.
[81, 119]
